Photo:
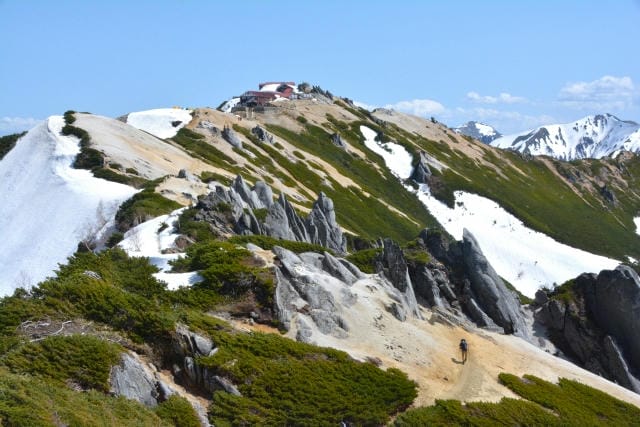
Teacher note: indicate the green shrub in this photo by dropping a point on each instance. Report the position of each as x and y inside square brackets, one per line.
[114, 239]
[84, 360]
[143, 206]
[568, 403]
[199, 231]
[34, 401]
[178, 412]
[227, 269]
[267, 242]
[365, 259]
[8, 142]
[284, 382]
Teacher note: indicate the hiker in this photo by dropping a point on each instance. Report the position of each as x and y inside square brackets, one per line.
[463, 348]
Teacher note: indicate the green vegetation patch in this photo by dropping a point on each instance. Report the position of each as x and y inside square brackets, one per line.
[143, 206]
[34, 401]
[196, 144]
[83, 360]
[8, 142]
[178, 412]
[568, 403]
[365, 259]
[284, 382]
[267, 242]
[228, 270]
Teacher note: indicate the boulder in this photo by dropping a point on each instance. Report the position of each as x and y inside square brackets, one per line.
[132, 380]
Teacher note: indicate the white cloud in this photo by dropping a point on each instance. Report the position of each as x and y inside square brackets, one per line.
[364, 105]
[502, 98]
[16, 124]
[419, 107]
[605, 93]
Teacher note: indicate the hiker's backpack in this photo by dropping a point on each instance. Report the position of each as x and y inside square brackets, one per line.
[463, 345]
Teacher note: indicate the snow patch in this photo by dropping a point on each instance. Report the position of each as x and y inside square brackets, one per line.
[396, 157]
[161, 122]
[485, 130]
[637, 222]
[150, 239]
[47, 206]
[528, 259]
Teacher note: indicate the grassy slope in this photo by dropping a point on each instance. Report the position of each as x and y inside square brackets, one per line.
[568, 403]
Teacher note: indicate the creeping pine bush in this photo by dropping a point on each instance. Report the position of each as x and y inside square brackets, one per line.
[567, 403]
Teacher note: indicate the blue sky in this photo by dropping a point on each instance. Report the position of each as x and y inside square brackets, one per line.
[512, 64]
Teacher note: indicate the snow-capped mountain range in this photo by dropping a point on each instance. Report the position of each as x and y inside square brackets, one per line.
[480, 131]
[590, 137]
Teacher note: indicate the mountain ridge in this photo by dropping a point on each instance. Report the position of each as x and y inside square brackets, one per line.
[594, 136]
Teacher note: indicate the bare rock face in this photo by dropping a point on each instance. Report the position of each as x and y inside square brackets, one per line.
[236, 209]
[421, 172]
[393, 265]
[597, 325]
[231, 137]
[132, 380]
[489, 290]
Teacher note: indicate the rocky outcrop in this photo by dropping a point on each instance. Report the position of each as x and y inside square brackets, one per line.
[231, 137]
[595, 320]
[466, 280]
[392, 264]
[251, 210]
[314, 294]
[421, 172]
[338, 141]
[488, 289]
[262, 134]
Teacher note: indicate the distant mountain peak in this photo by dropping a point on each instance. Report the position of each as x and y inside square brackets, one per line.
[595, 136]
[479, 131]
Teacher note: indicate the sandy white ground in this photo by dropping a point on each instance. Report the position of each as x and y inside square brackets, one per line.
[47, 206]
[526, 258]
[150, 239]
[158, 122]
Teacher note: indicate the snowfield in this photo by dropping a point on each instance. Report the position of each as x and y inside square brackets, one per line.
[526, 258]
[397, 158]
[150, 239]
[47, 206]
[485, 130]
[160, 122]
[637, 222]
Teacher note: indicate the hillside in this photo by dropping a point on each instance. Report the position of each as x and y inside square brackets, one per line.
[312, 260]
[591, 137]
